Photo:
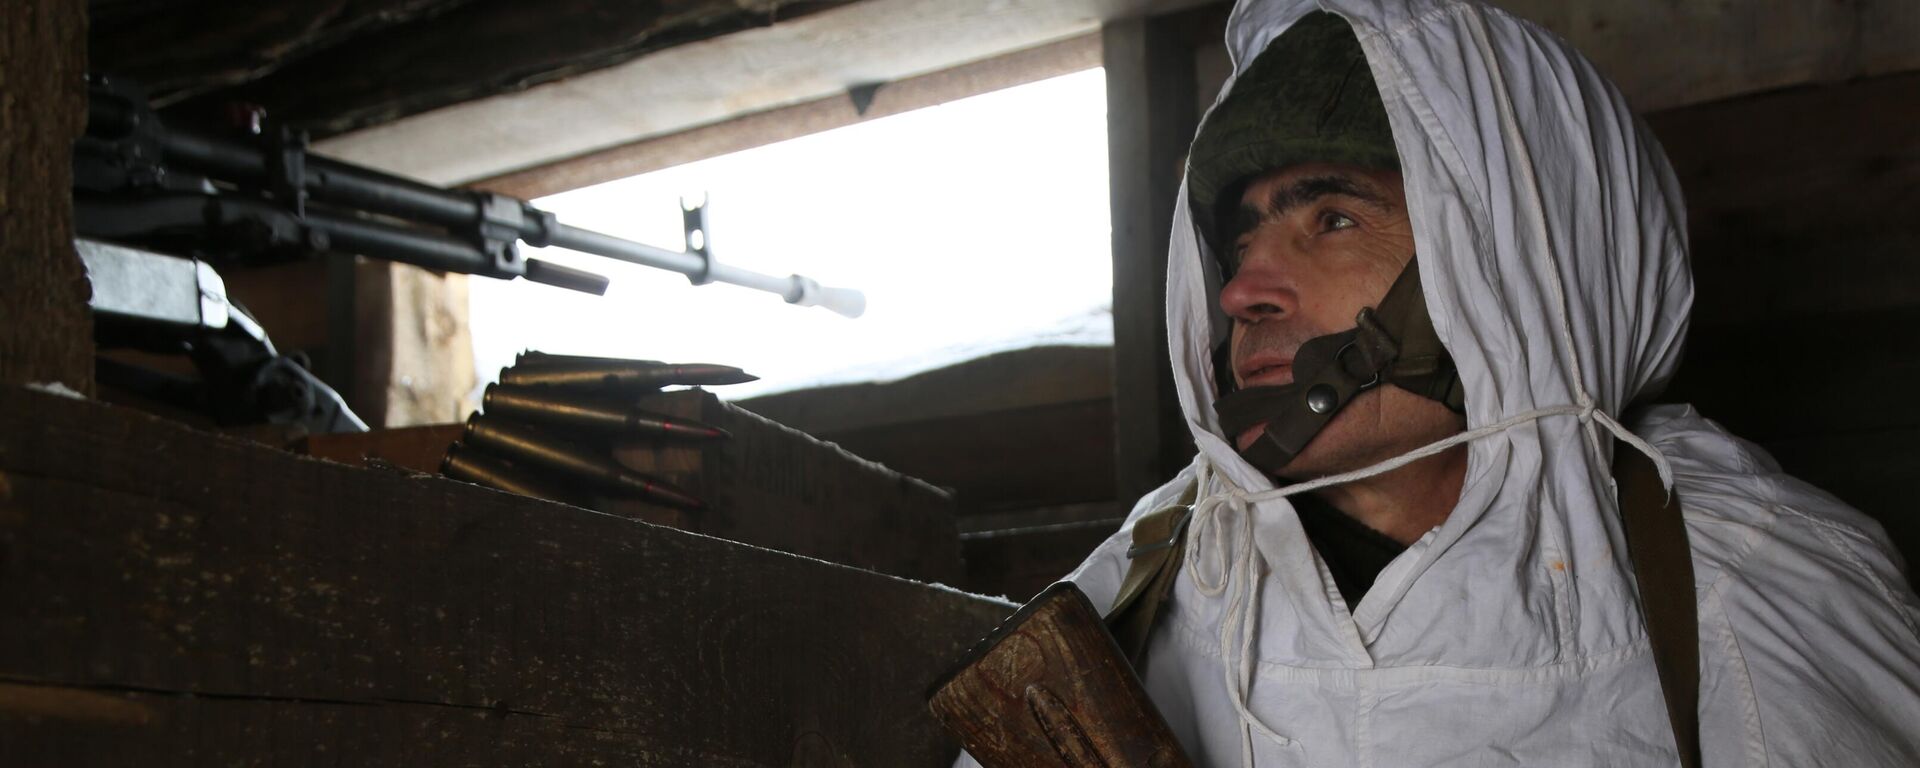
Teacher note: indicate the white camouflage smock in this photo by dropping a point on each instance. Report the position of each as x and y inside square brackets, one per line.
[1550, 234]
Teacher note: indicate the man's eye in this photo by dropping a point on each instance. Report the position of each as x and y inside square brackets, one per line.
[1331, 221]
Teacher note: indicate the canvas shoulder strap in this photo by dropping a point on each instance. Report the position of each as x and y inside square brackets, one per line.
[1663, 569]
[1656, 542]
[1153, 560]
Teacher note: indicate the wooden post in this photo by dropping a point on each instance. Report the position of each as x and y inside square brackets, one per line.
[46, 331]
[1151, 117]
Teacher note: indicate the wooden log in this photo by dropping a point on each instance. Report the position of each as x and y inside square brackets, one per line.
[1013, 430]
[1003, 381]
[780, 123]
[477, 49]
[413, 351]
[46, 330]
[1028, 457]
[1817, 213]
[775, 487]
[1151, 118]
[415, 448]
[768, 486]
[1019, 562]
[280, 608]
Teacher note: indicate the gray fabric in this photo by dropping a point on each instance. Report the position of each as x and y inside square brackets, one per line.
[1308, 98]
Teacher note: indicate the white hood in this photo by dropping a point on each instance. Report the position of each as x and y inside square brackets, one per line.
[1553, 255]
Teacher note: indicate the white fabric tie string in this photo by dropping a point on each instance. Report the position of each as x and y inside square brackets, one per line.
[1242, 610]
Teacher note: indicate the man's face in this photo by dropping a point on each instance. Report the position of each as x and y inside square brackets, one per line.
[1317, 243]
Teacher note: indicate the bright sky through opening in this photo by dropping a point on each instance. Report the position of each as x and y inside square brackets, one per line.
[973, 227]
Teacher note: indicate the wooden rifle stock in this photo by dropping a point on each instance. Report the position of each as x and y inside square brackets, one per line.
[1050, 687]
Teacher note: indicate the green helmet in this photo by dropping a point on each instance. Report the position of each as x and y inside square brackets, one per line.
[1309, 97]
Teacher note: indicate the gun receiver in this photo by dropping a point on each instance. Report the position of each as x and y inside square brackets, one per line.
[135, 177]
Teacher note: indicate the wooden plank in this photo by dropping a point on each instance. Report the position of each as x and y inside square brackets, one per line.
[1021, 378]
[51, 725]
[1097, 511]
[779, 124]
[413, 352]
[769, 486]
[46, 330]
[1044, 455]
[1665, 55]
[818, 56]
[181, 48]
[477, 49]
[772, 486]
[1817, 213]
[419, 449]
[1019, 563]
[142, 556]
[1150, 120]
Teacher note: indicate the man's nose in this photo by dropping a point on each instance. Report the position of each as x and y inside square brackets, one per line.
[1261, 289]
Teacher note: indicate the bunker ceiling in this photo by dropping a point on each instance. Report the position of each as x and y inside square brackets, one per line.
[333, 66]
[450, 91]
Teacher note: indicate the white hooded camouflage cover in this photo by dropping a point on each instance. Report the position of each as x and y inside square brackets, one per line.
[1550, 233]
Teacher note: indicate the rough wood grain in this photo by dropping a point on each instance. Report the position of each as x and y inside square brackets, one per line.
[768, 486]
[1801, 202]
[776, 487]
[413, 351]
[1804, 213]
[1671, 54]
[46, 330]
[419, 449]
[181, 48]
[368, 611]
[1003, 381]
[1150, 120]
[1025, 457]
[1019, 562]
[792, 121]
[477, 49]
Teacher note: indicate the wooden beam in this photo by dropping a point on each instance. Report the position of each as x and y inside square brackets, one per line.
[478, 49]
[1019, 563]
[46, 329]
[189, 599]
[1026, 457]
[1003, 381]
[413, 351]
[749, 131]
[1800, 205]
[1801, 202]
[1151, 117]
[181, 48]
[1671, 54]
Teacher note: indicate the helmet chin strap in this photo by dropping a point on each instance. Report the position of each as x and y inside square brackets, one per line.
[1393, 343]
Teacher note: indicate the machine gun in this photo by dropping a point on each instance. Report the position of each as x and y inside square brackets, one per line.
[152, 199]
[135, 178]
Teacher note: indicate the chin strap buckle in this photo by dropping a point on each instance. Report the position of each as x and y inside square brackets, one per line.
[1393, 344]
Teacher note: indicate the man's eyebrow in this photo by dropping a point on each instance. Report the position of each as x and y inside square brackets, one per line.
[1303, 191]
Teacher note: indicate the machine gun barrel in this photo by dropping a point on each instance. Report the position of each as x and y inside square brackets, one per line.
[113, 116]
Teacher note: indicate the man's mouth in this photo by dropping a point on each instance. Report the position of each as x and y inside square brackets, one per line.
[1275, 373]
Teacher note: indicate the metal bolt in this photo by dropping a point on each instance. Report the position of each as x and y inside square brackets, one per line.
[1321, 398]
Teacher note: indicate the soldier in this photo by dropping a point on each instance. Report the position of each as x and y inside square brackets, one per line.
[1427, 275]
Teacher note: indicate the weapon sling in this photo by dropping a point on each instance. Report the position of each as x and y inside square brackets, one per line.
[1656, 543]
